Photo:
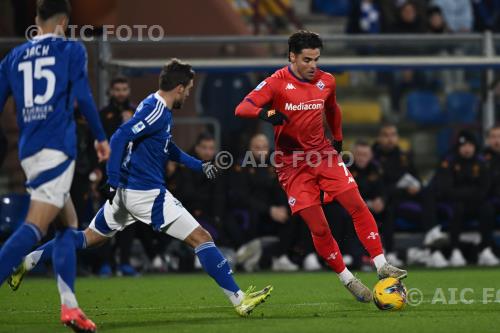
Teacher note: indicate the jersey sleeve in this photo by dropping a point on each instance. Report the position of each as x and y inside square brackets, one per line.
[333, 113]
[5, 89]
[253, 103]
[81, 88]
[178, 155]
[146, 121]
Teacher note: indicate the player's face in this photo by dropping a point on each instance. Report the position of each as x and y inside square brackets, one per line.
[362, 156]
[389, 137]
[467, 150]
[305, 63]
[259, 147]
[205, 150]
[182, 94]
[120, 92]
[493, 139]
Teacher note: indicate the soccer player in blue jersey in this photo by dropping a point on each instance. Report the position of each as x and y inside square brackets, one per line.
[45, 77]
[140, 149]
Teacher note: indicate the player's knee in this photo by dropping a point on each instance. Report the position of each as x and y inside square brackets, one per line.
[198, 237]
[93, 239]
[352, 202]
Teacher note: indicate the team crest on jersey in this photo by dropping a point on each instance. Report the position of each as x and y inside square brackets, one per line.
[138, 127]
[292, 201]
[320, 85]
[260, 86]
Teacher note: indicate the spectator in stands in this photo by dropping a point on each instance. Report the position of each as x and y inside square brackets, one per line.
[492, 156]
[119, 102]
[3, 146]
[463, 182]
[435, 21]
[457, 14]
[364, 17]
[369, 177]
[409, 20]
[201, 196]
[486, 15]
[390, 11]
[405, 194]
[255, 189]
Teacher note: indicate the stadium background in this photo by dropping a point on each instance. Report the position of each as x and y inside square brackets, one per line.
[431, 81]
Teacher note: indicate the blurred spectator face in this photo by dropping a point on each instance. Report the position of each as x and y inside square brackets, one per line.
[436, 22]
[362, 155]
[388, 138]
[120, 92]
[467, 150]
[259, 146]
[306, 62]
[205, 150]
[493, 140]
[408, 13]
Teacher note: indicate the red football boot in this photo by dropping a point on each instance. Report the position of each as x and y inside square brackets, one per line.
[77, 320]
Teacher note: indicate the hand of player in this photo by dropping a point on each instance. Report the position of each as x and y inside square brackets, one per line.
[337, 145]
[210, 170]
[103, 150]
[275, 117]
[109, 193]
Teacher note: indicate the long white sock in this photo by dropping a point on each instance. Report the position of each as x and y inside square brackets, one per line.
[379, 261]
[68, 298]
[32, 259]
[345, 276]
[235, 298]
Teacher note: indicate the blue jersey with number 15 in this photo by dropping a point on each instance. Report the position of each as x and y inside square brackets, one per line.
[45, 77]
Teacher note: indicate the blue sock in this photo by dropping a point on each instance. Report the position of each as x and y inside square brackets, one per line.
[218, 268]
[43, 253]
[64, 262]
[16, 247]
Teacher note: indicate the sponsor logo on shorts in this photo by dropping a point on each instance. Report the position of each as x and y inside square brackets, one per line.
[292, 201]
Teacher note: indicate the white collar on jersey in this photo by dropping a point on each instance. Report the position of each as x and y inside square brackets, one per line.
[158, 97]
[43, 36]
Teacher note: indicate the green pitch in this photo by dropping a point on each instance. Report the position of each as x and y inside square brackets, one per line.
[465, 300]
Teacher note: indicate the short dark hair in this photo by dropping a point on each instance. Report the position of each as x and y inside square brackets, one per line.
[304, 39]
[118, 79]
[493, 128]
[362, 143]
[204, 136]
[386, 125]
[45, 9]
[174, 73]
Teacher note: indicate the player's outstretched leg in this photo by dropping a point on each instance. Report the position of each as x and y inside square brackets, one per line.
[42, 254]
[367, 231]
[328, 249]
[214, 263]
[64, 261]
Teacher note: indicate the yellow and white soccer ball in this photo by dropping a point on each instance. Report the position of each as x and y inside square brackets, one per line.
[389, 294]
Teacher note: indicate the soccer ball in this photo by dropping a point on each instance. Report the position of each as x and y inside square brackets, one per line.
[389, 294]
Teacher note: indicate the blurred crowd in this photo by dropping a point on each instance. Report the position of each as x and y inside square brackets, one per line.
[247, 213]
[415, 16]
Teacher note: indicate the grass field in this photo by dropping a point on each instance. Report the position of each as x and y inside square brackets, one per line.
[301, 302]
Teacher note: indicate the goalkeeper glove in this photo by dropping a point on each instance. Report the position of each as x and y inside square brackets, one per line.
[273, 116]
[210, 170]
[337, 145]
